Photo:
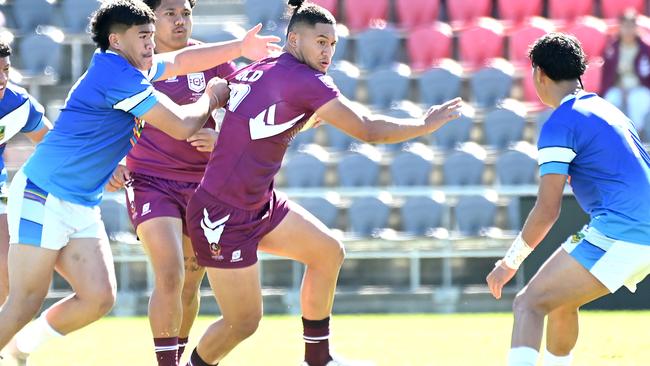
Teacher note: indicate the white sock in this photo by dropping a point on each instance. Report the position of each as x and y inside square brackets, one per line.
[34, 334]
[522, 356]
[553, 360]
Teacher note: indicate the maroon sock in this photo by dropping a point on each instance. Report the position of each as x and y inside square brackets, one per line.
[166, 350]
[196, 360]
[317, 347]
[182, 342]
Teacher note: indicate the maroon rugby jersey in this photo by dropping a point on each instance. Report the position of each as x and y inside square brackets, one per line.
[270, 101]
[160, 155]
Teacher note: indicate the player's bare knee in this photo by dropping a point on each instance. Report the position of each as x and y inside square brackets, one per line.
[245, 327]
[170, 281]
[332, 257]
[189, 296]
[101, 299]
[526, 302]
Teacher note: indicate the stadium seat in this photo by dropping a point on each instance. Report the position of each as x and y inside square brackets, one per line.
[458, 131]
[44, 52]
[336, 139]
[568, 11]
[302, 139]
[217, 32]
[388, 85]
[367, 216]
[115, 216]
[324, 208]
[492, 83]
[592, 34]
[474, 214]
[377, 47]
[342, 51]
[614, 8]
[346, 78]
[360, 14]
[401, 109]
[481, 42]
[415, 13]
[516, 11]
[593, 76]
[440, 83]
[522, 37]
[31, 13]
[76, 14]
[427, 45]
[267, 12]
[465, 165]
[307, 167]
[331, 5]
[505, 125]
[412, 166]
[517, 165]
[420, 216]
[359, 167]
[463, 11]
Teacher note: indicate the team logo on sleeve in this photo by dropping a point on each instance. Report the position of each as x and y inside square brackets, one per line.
[196, 82]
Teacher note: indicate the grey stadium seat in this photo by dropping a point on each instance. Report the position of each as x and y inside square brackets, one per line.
[464, 166]
[346, 78]
[516, 166]
[376, 48]
[264, 11]
[412, 166]
[440, 83]
[359, 167]
[504, 126]
[491, 84]
[388, 85]
[115, 216]
[305, 169]
[44, 55]
[337, 139]
[323, 208]
[475, 214]
[422, 215]
[303, 138]
[217, 32]
[76, 14]
[367, 215]
[457, 131]
[31, 13]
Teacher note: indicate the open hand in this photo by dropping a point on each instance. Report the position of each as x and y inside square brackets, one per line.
[438, 115]
[255, 47]
[204, 139]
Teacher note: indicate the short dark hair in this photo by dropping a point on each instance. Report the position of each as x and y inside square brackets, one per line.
[5, 49]
[154, 4]
[308, 13]
[118, 13]
[559, 55]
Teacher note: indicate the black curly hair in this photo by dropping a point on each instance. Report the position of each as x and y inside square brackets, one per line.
[116, 16]
[5, 49]
[153, 4]
[308, 13]
[559, 55]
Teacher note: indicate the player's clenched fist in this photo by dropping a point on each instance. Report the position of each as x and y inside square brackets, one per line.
[218, 90]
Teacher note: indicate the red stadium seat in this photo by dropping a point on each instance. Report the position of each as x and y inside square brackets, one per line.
[427, 45]
[614, 8]
[464, 11]
[359, 14]
[592, 77]
[517, 11]
[522, 37]
[568, 11]
[330, 5]
[415, 13]
[481, 42]
[592, 34]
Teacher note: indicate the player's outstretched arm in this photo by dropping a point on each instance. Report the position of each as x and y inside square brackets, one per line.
[342, 114]
[182, 121]
[206, 56]
[540, 220]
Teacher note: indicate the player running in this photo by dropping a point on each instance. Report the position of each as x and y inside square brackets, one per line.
[236, 207]
[19, 112]
[54, 218]
[164, 173]
[594, 144]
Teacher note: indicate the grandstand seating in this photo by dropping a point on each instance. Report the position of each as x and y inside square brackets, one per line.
[464, 12]
[412, 166]
[458, 131]
[376, 47]
[342, 51]
[220, 32]
[440, 83]
[517, 165]
[475, 214]
[324, 208]
[415, 13]
[427, 45]
[592, 34]
[421, 216]
[492, 84]
[465, 165]
[504, 125]
[388, 85]
[523, 36]
[331, 5]
[614, 8]
[486, 32]
[31, 13]
[264, 11]
[45, 52]
[76, 14]
[337, 139]
[307, 167]
[360, 14]
[359, 167]
[568, 11]
[346, 78]
[517, 11]
[368, 215]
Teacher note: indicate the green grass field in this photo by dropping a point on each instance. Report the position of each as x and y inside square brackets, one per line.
[607, 339]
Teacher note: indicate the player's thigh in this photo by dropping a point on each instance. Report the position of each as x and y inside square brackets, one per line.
[562, 281]
[87, 264]
[238, 292]
[301, 236]
[4, 252]
[193, 271]
[30, 270]
[162, 240]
